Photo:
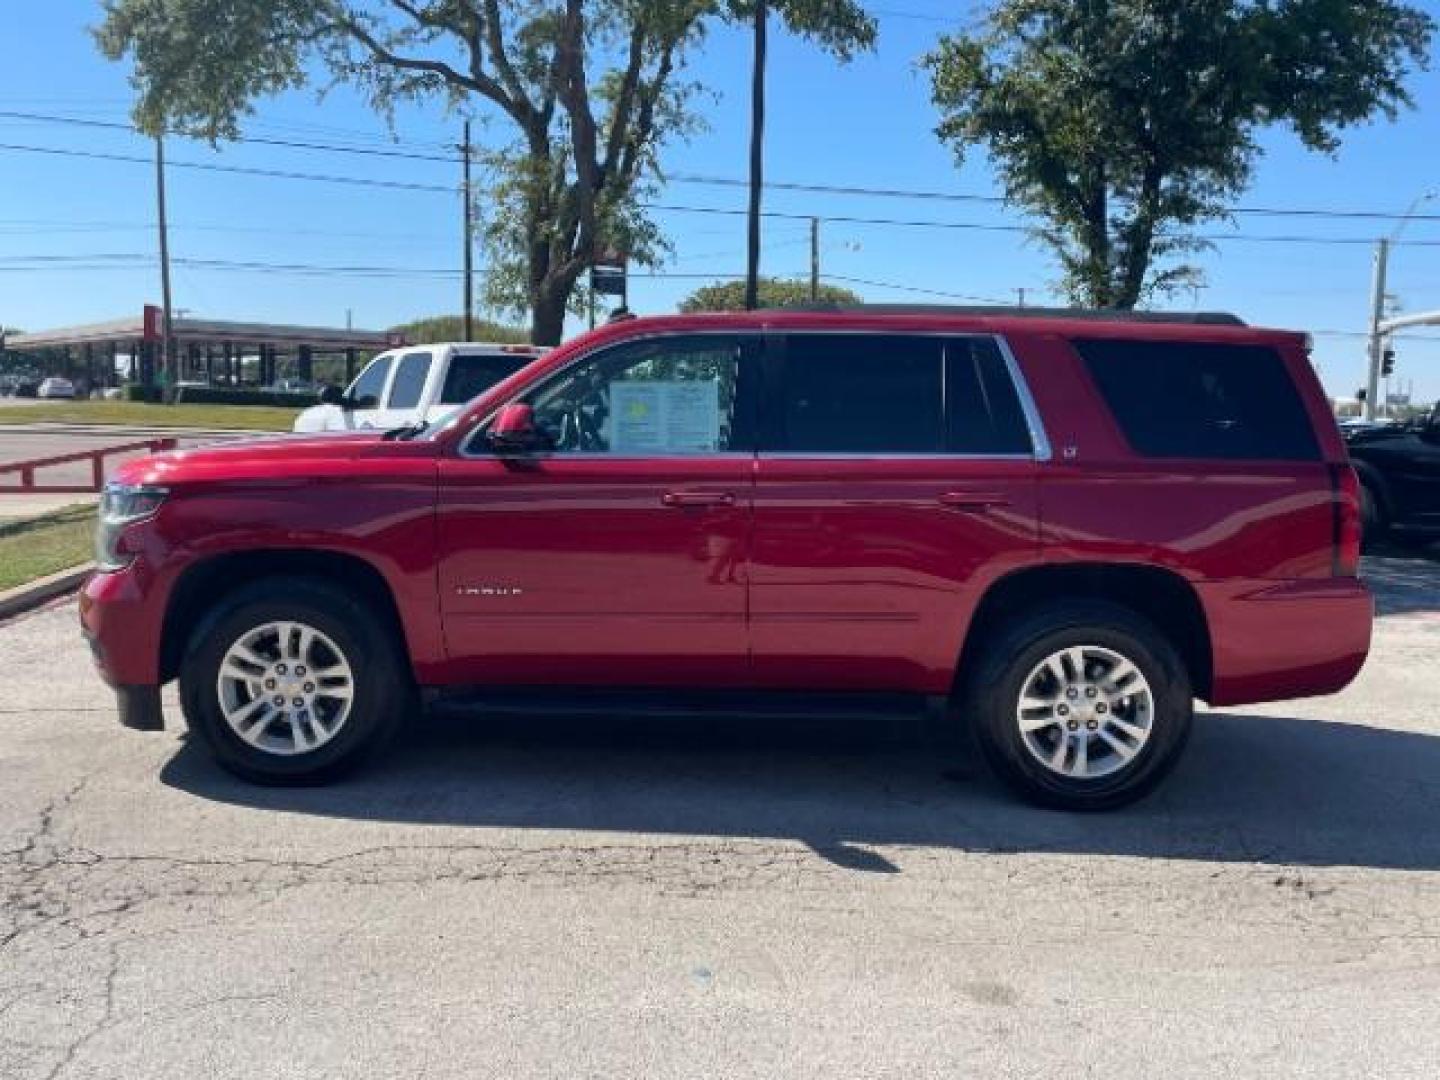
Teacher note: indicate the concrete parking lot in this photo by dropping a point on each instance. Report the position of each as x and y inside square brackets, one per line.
[561, 898]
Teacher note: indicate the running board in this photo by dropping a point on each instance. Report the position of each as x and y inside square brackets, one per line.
[682, 704]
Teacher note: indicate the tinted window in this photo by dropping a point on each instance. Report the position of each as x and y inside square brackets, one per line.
[983, 409]
[1202, 400]
[409, 381]
[661, 397]
[366, 389]
[864, 393]
[470, 376]
[896, 394]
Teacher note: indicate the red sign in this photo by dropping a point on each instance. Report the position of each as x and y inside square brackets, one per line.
[153, 324]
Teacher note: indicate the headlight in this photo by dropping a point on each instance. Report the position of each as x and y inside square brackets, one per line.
[122, 505]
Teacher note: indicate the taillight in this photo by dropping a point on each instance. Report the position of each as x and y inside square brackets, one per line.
[1345, 486]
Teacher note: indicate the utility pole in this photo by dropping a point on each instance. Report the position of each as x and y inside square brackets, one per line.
[1377, 314]
[1020, 297]
[814, 259]
[757, 165]
[469, 233]
[167, 364]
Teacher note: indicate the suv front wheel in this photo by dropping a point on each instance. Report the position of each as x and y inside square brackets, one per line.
[1085, 706]
[292, 681]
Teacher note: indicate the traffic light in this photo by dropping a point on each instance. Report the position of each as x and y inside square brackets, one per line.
[1387, 362]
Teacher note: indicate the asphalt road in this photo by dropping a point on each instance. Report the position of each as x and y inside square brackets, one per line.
[554, 898]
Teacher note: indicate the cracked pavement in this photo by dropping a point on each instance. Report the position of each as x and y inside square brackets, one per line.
[517, 898]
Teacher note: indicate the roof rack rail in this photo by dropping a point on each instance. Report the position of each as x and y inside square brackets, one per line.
[1209, 318]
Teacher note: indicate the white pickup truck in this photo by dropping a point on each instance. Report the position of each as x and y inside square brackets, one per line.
[416, 383]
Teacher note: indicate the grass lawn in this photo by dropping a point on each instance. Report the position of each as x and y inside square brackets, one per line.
[42, 545]
[144, 414]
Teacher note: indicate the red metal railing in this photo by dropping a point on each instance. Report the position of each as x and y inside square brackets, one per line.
[96, 457]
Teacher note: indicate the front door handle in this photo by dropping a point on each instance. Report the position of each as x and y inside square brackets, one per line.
[972, 502]
[688, 499]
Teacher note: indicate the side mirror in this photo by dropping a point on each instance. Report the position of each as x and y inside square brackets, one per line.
[331, 394]
[515, 431]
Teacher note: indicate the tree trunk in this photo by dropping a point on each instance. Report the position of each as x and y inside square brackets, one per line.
[547, 316]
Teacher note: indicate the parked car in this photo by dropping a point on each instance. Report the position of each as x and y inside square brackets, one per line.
[55, 387]
[1399, 470]
[1055, 529]
[419, 384]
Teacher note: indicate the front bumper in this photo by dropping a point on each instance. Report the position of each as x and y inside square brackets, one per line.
[1274, 640]
[122, 619]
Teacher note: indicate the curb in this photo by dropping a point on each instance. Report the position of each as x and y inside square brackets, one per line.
[27, 597]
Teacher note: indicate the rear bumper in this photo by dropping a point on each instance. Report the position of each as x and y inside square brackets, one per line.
[1274, 640]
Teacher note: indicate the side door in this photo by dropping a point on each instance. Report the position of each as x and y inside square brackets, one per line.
[620, 555]
[896, 479]
[405, 392]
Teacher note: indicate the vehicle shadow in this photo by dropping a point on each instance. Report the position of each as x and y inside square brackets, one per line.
[1282, 790]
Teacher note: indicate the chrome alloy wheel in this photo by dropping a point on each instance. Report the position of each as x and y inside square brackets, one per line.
[1085, 712]
[285, 688]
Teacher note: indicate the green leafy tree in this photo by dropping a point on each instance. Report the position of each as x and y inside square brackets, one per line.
[1122, 124]
[773, 292]
[584, 93]
[452, 328]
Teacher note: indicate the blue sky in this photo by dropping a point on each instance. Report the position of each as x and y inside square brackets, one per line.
[866, 124]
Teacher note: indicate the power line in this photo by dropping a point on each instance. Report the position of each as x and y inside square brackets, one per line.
[914, 289]
[737, 182]
[278, 174]
[404, 155]
[774, 215]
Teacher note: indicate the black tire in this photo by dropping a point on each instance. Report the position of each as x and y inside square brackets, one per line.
[993, 690]
[382, 688]
[1374, 521]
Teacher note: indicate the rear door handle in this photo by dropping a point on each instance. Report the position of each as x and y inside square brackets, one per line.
[972, 502]
[687, 499]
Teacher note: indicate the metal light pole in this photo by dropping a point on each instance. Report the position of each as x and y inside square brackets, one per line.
[1377, 313]
[167, 337]
[1376, 342]
[757, 142]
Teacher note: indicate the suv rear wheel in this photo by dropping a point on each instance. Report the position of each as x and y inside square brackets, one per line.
[292, 681]
[1085, 706]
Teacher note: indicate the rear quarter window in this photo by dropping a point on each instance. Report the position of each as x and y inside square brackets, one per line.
[1202, 400]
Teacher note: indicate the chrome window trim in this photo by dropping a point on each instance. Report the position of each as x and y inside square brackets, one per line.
[1039, 441]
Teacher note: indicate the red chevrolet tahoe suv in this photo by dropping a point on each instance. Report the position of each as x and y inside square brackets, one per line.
[1061, 527]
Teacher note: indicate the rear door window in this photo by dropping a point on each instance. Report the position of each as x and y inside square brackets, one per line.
[409, 384]
[862, 393]
[1202, 400]
[895, 394]
[470, 375]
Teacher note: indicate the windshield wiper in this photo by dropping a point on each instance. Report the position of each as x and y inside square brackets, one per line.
[405, 431]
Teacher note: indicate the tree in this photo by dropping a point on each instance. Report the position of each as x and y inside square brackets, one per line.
[773, 292]
[1122, 124]
[451, 328]
[587, 92]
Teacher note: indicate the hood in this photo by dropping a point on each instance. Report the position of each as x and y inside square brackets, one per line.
[280, 457]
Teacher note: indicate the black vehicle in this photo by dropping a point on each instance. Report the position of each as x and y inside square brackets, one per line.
[1399, 470]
